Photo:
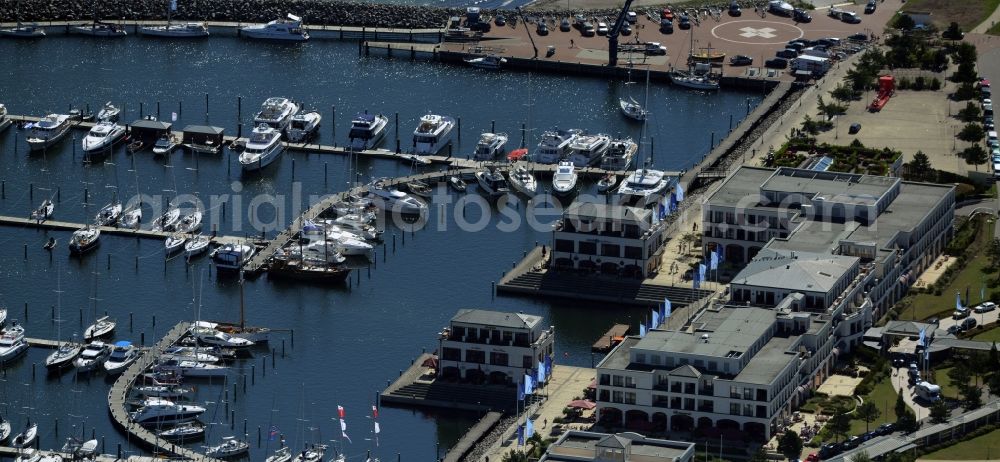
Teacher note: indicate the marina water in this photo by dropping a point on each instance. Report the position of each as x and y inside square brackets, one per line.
[347, 341]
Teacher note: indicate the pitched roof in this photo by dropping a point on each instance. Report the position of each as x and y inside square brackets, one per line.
[613, 441]
[496, 318]
[908, 327]
[686, 370]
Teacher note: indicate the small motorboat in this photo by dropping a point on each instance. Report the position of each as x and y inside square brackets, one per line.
[419, 188]
[165, 145]
[607, 183]
[26, 437]
[492, 182]
[29, 455]
[489, 62]
[44, 211]
[50, 244]
[457, 184]
[109, 113]
[195, 246]
[517, 154]
[187, 431]
[490, 146]
[78, 448]
[303, 127]
[103, 327]
[109, 214]
[174, 243]
[230, 447]
[135, 146]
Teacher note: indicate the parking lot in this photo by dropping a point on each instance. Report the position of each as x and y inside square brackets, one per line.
[981, 318]
[754, 34]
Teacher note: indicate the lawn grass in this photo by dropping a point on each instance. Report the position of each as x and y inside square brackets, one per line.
[884, 397]
[981, 447]
[991, 335]
[948, 389]
[967, 13]
[971, 277]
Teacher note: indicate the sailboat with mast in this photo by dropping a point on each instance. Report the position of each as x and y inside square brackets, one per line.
[241, 330]
[176, 30]
[103, 326]
[66, 352]
[694, 77]
[645, 186]
[630, 107]
[99, 28]
[28, 31]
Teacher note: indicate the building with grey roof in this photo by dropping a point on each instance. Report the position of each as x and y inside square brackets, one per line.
[584, 446]
[494, 346]
[607, 238]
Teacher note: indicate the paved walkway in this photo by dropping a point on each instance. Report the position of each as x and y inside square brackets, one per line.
[987, 23]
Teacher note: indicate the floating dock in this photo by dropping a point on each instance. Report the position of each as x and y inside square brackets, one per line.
[118, 397]
[611, 338]
[137, 233]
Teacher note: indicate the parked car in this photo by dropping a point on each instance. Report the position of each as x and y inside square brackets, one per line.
[565, 25]
[870, 7]
[858, 37]
[500, 20]
[854, 128]
[542, 29]
[852, 442]
[602, 28]
[812, 457]
[934, 320]
[631, 17]
[587, 30]
[740, 60]
[828, 41]
[850, 17]
[776, 63]
[800, 15]
[960, 314]
[655, 49]
[954, 329]
[626, 29]
[734, 9]
[987, 102]
[684, 22]
[985, 307]
[667, 14]
[666, 26]
[969, 323]
[787, 53]
[886, 428]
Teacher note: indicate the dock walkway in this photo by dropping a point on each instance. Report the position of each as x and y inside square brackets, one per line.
[67, 226]
[9, 452]
[611, 338]
[118, 396]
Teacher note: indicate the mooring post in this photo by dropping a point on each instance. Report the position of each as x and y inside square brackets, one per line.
[157, 110]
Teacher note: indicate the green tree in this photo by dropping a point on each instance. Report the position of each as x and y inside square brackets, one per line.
[970, 113]
[993, 382]
[907, 421]
[972, 133]
[515, 456]
[901, 406]
[868, 412]
[839, 425]
[905, 22]
[960, 375]
[809, 125]
[861, 457]
[842, 93]
[964, 92]
[979, 366]
[953, 32]
[994, 254]
[972, 397]
[965, 73]
[975, 155]
[760, 455]
[790, 445]
[920, 167]
[939, 412]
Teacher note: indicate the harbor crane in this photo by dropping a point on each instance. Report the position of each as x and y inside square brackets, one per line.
[613, 34]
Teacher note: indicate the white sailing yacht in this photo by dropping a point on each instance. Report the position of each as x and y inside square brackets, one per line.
[29, 31]
[179, 30]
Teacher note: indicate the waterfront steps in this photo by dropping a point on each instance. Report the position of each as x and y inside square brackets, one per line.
[592, 288]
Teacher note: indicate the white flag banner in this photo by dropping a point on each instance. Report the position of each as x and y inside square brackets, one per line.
[343, 425]
[377, 428]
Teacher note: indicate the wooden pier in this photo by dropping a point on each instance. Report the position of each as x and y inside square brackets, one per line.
[118, 397]
[137, 233]
[611, 338]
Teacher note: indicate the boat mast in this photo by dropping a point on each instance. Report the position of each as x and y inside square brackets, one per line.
[242, 316]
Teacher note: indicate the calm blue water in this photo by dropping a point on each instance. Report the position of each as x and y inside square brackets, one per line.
[348, 343]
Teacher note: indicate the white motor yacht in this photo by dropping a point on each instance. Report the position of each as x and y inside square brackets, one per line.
[188, 368]
[263, 147]
[12, 343]
[232, 256]
[109, 214]
[84, 239]
[48, 131]
[304, 126]
[200, 354]
[109, 113]
[5, 121]
[354, 224]
[523, 181]
[644, 187]
[206, 334]
[490, 146]
[28, 455]
[394, 200]
[100, 29]
[178, 30]
[103, 327]
[190, 223]
[587, 150]
[92, 357]
[276, 112]
[163, 412]
[367, 131]
[492, 182]
[30, 31]
[122, 356]
[619, 154]
[289, 29]
[165, 145]
[163, 391]
[554, 146]
[432, 134]
[564, 180]
[348, 243]
[490, 62]
[230, 447]
[184, 432]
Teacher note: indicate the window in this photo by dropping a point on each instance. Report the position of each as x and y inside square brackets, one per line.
[564, 245]
[498, 359]
[747, 409]
[688, 404]
[761, 394]
[713, 366]
[588, 248]
[655, 359]
[611, 250]
[617, 397]
[762, 412]
[734, 391]
[629, 382]
[734, 409]
[748, 393]
[640, 358]
[452, 354]
[616, 380]
[473, 356]
[603, 396]
[526, 362]
[629, 398]
[605, 379]
[634, 253]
